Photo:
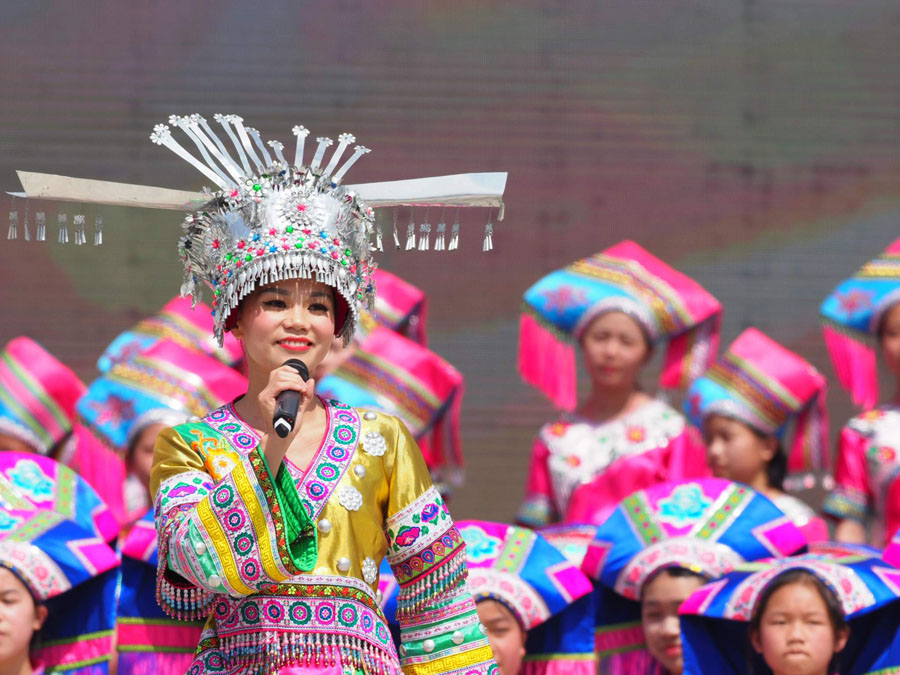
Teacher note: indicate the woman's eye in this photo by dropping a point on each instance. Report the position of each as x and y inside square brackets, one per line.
[319, 307]
[277, 304]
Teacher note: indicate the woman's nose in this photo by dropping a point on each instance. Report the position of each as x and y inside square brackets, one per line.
[297, 316]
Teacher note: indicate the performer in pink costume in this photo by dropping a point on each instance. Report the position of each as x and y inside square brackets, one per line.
[744, 403]
[130, 404]
[617, 306]
[862, 311]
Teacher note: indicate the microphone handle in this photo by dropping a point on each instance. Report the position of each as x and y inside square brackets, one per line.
[287, 404]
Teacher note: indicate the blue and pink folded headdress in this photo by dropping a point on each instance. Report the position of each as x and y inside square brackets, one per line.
[852, 316]
[668, 305]
[54, 531]
[762, 384]
[714, 619]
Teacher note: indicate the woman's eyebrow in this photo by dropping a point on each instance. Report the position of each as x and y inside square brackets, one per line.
[276, 290]
[320, 294]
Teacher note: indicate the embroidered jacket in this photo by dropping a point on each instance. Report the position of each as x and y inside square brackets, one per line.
[868, 463]
[285, 564]
[651, 445]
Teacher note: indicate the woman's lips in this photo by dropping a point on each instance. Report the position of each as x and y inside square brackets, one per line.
[296, 345]
[674, 650]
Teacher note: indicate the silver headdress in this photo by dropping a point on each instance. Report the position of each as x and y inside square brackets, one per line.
[269, 219]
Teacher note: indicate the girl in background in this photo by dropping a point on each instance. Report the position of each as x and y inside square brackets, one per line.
[744, 404]
[863, 310]
[617, 307]
[662, 544]
[815, 613]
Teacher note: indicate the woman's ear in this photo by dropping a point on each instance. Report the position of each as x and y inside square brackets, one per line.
[40, 616]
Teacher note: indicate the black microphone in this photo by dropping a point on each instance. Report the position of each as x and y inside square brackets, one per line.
[288, 402]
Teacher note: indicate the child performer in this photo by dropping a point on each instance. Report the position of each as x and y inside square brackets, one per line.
[815, 613]
[58, 578]
[617, 306]
[744, 404]
[862, 310]
[663, 543]
[135, 399]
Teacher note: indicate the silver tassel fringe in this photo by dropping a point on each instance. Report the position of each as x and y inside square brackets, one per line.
[63, 221]
[13, 225]
[410, 236]
[439, 243]
[98, 231]
[488, 238]
[379, 244]
[454, 237]
[396, 234]
[25, 231]
[424, 236]
[40, 218]
[78, 224]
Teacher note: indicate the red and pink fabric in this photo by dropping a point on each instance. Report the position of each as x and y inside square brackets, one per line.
[671, 307]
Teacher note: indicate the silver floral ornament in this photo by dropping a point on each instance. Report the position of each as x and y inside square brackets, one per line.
[350, 498]
[374, 444]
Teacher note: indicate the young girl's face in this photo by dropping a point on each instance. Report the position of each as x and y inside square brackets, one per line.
[288, 319]
[796, 636]
[615, 349]
[505, 635]
[890, 339]
[734, 451]
[660, 600]
[140, 459]
[19, 619]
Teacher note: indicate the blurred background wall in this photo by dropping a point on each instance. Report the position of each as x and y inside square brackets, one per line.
[753, 144]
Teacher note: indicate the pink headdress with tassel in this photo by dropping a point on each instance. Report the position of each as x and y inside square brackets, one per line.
[851, 318]
[764, 385]
[670, 307]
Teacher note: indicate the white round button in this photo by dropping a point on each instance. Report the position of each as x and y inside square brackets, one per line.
[482, 628]
[324, 526]
[344, 564]
[370, 416]
[457, 637]
[359, 470]
[200, 548]
[378, 597]
[214, 580]
[428, 646]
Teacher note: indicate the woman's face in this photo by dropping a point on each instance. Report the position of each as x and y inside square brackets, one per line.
[662, 596]
[614, 349]
[734, 451]
[505, 635]
[795, 634]
[288, 319]
[19, 618]
[890, 339]
[140, 460]
[10, 443]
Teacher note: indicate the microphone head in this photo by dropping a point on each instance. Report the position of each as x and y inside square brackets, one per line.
[299, 366]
